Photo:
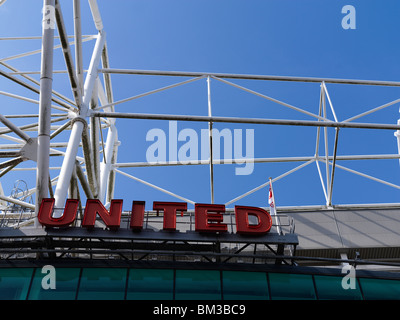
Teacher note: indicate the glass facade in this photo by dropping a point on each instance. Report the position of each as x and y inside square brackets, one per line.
[245, 285]
[177, 284]
[102, 284]
[197, 285]
[329, 288]
[66, 285]
[14, 283]
[377, 289]
[150, 284]
[291, 286]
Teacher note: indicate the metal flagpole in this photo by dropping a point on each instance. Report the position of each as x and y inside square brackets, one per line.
[210, 129]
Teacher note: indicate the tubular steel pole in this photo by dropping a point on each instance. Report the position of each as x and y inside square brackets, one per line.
[94, 140]
[172, 117]
[78, 43]
[32, 88]
[78, 126]
[96, 14]
[68, 56]
[76, 82]
[250, 77]
[46, 84]
[69, 162]
[14, 128]
[333, 167]
[210, 125]
[111, 177]
[105, 165]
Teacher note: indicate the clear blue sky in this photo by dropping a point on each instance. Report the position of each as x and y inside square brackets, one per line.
[269, 37]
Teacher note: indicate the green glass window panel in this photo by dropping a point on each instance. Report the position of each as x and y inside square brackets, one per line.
[197, 285]
[66, 282]
[240, 285]
[150, 284]
[330, 288]
[286, 286]
[380, 289]
[102, 284]
[14, 283]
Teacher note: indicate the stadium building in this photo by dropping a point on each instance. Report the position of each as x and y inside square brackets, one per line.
[67, 237]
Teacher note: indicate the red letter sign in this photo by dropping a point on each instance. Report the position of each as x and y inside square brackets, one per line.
[112, 219]
[242, 220]
[203, 218]
[170, 209]
[137, 215]
[46, 209]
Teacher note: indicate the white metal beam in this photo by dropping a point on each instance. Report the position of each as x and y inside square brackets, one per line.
[78, 126]
[154, 186]
[210, 125]
[332, 124]
[46, 88]
[250, 77]
[268, 182]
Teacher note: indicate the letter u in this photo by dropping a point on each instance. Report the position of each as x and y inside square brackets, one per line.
[46, 209]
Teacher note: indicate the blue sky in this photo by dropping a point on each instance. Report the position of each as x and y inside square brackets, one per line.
[269, 37]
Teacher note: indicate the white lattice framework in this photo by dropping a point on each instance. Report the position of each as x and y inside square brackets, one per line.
[92, 109]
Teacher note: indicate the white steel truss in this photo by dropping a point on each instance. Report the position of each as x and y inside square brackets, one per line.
[93, 109]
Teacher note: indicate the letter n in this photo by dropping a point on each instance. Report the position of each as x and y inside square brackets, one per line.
[112, 219]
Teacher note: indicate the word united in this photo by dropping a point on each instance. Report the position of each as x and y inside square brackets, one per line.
[208, 217]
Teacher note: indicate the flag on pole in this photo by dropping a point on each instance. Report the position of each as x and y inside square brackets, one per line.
[272, 208]
[271, 201]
